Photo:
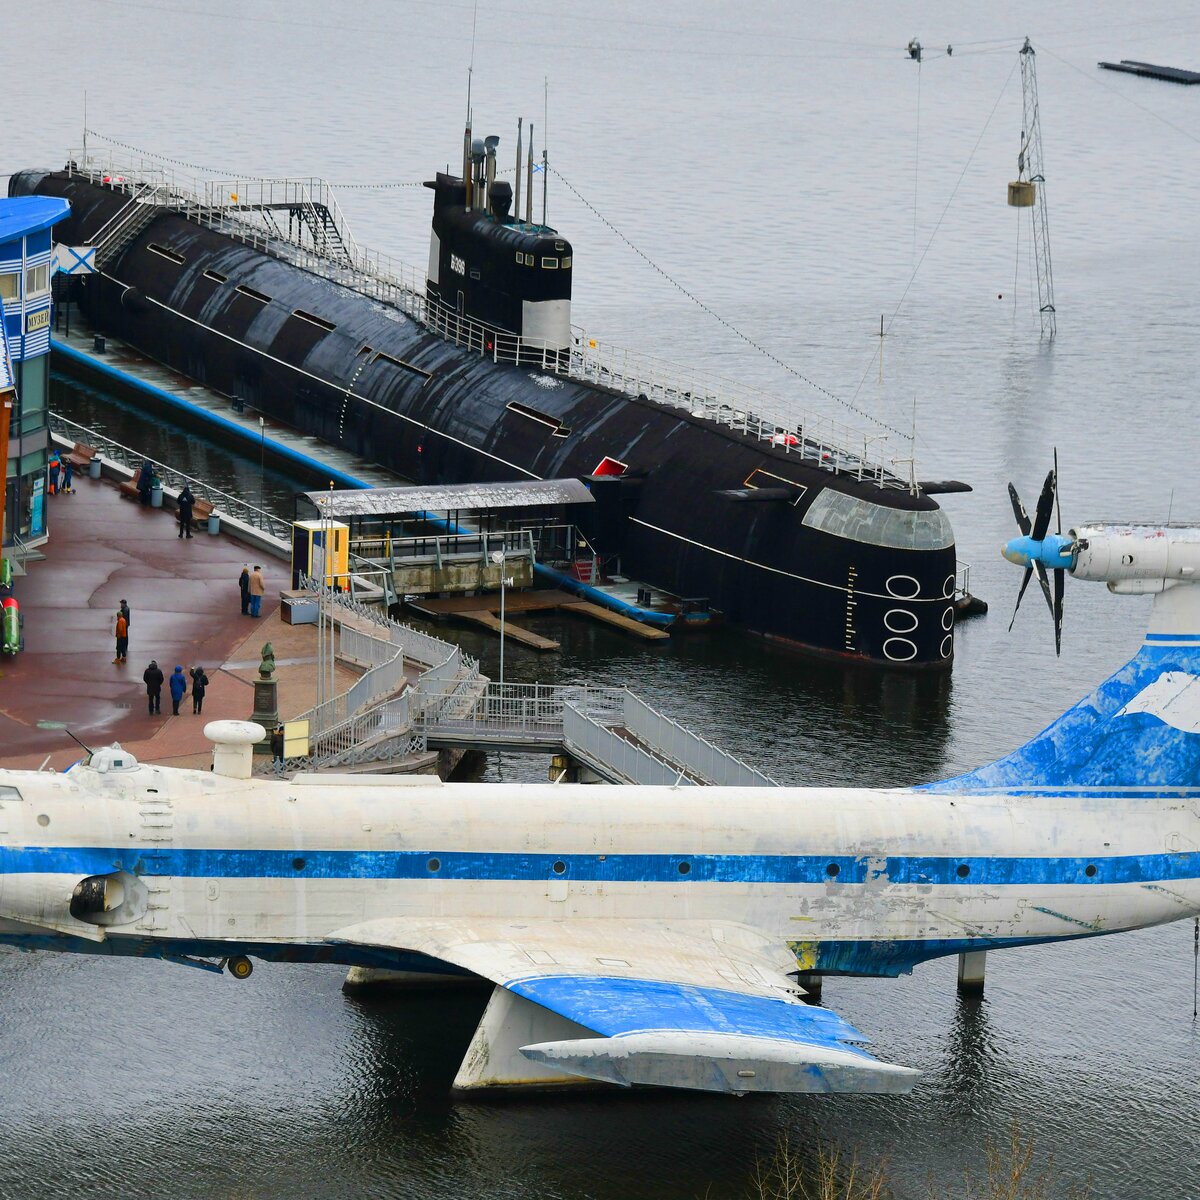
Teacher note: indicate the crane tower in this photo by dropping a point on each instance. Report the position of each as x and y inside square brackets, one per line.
[1029, 191]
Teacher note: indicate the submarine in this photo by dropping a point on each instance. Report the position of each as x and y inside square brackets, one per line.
[472, 371]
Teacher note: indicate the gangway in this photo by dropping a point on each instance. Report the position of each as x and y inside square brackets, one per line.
[609, 730]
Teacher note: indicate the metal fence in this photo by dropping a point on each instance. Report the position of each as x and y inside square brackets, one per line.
[681, 745]
[610, 754]
[223, 503]
[521, 712]
[321, 242]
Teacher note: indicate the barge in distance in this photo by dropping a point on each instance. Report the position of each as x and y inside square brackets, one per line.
[473, 372]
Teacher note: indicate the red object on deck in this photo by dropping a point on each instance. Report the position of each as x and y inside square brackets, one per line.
[610, 466]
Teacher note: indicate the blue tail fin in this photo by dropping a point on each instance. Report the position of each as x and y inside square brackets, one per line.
[1140, 729]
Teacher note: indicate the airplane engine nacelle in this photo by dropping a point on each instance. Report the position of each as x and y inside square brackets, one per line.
[114, 899]
[1117, 553]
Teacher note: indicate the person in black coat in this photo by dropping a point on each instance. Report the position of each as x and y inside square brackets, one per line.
[145, 481]
[199, 684]
[244, 585]
[153, 678]
[185, 502]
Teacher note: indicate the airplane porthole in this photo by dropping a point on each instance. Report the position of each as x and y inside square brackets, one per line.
[963, 871]
[1090, 870]
[435, 864]
[559, 867]
[832, 870]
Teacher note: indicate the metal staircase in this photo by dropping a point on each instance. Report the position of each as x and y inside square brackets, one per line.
[120, 230]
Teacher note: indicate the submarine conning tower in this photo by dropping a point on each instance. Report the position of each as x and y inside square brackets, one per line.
[506, 280]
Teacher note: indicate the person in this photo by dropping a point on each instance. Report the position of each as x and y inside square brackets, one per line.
[68, 471]
[244, 585]
[54, 467]
[178, 686]
[199, 685]
[185, 502]
[258, 589]
[125, 611]
[153, 679]
[145, 481]
[121, 629]
[277, 744]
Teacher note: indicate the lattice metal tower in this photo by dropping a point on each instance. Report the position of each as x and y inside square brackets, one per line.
[1031, 168]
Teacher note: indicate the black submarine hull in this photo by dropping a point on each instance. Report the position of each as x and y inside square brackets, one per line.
[362, 375]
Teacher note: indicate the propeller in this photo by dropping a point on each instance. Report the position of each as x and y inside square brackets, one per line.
[1037, 548]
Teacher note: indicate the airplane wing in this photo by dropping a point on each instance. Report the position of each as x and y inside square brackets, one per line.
[693, 1004]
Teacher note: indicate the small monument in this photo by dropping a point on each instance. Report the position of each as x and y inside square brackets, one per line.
[266, 697]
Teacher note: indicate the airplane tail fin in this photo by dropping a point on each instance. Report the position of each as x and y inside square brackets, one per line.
[1139, 730]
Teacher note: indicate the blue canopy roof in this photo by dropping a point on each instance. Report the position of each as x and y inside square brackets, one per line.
[23, 215]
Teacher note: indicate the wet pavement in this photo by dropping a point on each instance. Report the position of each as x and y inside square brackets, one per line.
[185, 609]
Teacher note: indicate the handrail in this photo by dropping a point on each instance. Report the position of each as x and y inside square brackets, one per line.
[241, 210]
[231, 506]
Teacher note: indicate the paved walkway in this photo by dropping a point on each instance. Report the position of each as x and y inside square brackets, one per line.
[185, 609]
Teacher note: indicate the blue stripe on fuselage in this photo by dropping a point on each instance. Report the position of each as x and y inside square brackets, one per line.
[622, 868]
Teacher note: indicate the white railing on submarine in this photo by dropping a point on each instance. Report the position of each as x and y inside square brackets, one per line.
[245, 210]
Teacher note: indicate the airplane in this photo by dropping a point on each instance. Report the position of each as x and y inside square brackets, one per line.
[650, 936]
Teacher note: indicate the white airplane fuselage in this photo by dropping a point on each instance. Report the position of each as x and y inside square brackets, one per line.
[854, 880]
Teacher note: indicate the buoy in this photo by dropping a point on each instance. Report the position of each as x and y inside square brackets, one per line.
[1021, 193]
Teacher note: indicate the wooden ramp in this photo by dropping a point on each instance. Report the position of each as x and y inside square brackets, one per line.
[526, 637]
[597, 612]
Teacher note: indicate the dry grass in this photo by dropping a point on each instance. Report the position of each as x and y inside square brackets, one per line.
[1011, 1172]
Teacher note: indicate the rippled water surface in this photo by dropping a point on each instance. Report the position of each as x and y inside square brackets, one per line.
[790, 166]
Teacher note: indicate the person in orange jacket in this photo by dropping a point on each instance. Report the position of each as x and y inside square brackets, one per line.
[121, 629]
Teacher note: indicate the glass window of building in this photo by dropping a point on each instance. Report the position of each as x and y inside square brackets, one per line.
[32, 393]
[10, 286]
[37, 279]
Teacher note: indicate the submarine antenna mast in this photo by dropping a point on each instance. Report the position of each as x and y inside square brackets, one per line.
[545, 144]
[1030, 160]
[529, 180]
[517, 203]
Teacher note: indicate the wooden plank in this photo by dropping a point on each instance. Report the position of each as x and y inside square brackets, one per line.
[585, 608]
[526, 637]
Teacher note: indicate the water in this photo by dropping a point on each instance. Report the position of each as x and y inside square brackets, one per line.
[777, 162]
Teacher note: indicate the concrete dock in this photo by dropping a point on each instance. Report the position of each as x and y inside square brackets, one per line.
[185, 609]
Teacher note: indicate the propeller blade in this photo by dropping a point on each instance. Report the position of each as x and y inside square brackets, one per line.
[1021, 593]
[1057, 501]
[1059, 573]
[1045, 505]
[1044, 580]
[1019, 512]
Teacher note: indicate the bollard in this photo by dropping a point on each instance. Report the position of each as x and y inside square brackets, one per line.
[98, 343]
[971, 971]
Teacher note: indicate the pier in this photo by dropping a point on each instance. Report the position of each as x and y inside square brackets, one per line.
[403, 697]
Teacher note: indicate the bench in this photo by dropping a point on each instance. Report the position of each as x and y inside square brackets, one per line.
[80, 456]
[129, 488]
[201, 511]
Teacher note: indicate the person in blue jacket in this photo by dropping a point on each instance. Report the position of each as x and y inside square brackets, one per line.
[178, 686]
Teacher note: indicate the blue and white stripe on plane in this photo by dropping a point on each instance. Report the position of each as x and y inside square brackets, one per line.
[833, 870]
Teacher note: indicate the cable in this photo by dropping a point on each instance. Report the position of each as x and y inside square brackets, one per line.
[937, 227]
[1187, 133]
[717, 316]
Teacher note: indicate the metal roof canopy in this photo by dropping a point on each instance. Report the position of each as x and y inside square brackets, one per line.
[482, 497]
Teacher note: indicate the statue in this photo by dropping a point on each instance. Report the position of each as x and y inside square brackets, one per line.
[266, 697]
[266, 668]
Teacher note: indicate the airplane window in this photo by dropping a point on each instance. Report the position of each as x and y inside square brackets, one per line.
[299, 864]
[963, 871]
[434, 864]
[832, 870]
[559, 867]
[684, 868]
[1090, 870]
[9, 793]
